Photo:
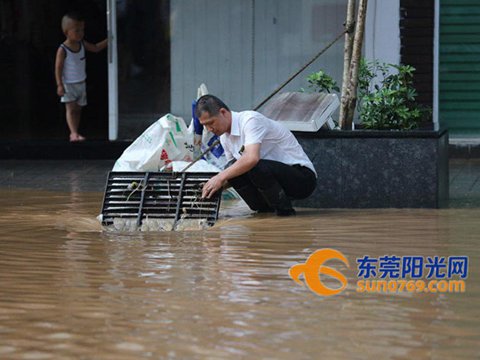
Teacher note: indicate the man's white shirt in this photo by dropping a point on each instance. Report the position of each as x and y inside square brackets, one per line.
[277, 142]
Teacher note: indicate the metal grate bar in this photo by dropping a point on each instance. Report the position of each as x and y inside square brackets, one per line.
[138, 196]
[180, 196]
[142, 199]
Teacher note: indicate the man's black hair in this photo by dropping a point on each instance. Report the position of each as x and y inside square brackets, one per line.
[210, 104]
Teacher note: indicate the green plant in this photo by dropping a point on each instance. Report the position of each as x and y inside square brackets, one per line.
[387, 97]
[320, 82]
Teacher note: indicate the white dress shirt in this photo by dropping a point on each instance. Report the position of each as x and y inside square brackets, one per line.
[276, 141]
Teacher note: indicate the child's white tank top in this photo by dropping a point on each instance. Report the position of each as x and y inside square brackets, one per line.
[74, 65]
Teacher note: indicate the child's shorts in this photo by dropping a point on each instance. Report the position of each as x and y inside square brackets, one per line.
[75, 93]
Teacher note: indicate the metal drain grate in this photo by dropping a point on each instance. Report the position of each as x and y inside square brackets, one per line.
[155, 195]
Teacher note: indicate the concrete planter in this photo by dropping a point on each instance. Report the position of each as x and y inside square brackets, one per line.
[378, 169]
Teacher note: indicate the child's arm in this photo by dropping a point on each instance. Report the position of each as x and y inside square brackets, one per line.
[96, 47]
[59, 60]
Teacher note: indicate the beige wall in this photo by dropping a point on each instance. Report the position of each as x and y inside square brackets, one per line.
[244, 49]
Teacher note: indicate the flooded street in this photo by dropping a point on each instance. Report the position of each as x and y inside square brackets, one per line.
[71, 291]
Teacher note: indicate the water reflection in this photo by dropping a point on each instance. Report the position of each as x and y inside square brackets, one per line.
[70, 290]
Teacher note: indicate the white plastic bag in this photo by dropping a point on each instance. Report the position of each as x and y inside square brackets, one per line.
[166, 140]
[199, 166]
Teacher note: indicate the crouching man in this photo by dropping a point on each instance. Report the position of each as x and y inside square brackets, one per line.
[267, 166]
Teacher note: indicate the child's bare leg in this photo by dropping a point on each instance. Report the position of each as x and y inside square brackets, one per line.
[74, 113]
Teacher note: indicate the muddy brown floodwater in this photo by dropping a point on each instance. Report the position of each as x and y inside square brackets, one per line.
[68, 290]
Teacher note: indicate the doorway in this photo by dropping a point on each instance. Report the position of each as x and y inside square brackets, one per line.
[140, 61]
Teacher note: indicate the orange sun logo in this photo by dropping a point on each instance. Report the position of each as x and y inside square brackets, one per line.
[313, 268]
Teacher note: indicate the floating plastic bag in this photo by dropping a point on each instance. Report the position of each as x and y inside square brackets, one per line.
[166, 140]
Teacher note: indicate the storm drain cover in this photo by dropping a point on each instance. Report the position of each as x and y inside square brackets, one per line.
[158, 201]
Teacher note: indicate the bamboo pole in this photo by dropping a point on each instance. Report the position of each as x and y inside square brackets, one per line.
[351, 97]
[347, 57]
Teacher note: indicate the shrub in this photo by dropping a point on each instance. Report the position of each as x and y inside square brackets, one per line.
[386, 97]
[320, 82]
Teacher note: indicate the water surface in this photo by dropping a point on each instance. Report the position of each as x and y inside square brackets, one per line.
[71, 291]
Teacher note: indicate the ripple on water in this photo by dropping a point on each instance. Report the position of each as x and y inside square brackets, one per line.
[70, 290]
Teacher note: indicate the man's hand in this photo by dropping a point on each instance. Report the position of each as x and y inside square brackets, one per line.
[249, 158]
[212, 186]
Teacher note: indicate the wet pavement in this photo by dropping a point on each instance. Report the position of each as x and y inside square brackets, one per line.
[464, 183]
[55, 175]
[90, 175]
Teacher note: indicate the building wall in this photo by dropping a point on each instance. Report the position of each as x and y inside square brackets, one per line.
[382, 31]
[243, 50]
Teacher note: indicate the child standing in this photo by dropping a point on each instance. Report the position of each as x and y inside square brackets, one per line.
[70, 73]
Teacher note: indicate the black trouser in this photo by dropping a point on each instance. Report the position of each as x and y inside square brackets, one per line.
[261, 186]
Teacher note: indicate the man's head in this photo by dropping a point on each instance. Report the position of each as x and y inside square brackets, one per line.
[73, 26]
[213, 114]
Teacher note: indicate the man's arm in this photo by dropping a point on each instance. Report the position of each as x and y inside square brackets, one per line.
[249, 158]
[96, 47]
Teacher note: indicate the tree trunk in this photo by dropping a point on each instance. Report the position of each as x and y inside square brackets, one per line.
[347, 57]
[351, 93]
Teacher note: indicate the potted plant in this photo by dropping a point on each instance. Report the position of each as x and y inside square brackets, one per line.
[394, 158]
[387, 97]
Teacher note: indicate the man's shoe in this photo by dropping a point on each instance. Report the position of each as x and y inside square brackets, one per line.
[277, 199]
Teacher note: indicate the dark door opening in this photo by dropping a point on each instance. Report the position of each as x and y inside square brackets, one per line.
[143, 50]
